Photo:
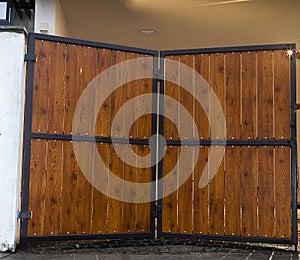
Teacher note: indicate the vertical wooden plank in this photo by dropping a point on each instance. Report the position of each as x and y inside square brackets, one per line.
[200, 117]
[169, 203]
[283, 193]
[216, 186]
[115, 207]
[232, 167]
[282, 94]
[53, 188]
[171, 89]
[249, 95]
[73, 86]
[249, 191]
[56, 97]
[265, 94]
[266, 191]
[232, 190]
[143, 209]
[102, 128]
[104, 61]
[69, 191]
[201, 220]
[249, 154]
[144, 130]
[41, 87]
[36, 224]
[116, 166]
[201, 197]
[145, 87]
[130, 172]
[86, 158]
[185, 191]
[99, 218]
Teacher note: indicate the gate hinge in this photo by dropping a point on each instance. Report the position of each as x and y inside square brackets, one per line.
[25, 215]
[30, 57]
[157, 211]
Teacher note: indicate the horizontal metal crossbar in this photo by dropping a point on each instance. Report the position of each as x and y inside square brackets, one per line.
[271, 142]
[98, 139]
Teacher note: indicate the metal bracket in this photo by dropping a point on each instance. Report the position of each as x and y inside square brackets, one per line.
[157, 211]
[159, 75]
[30, 57]
[25, 215]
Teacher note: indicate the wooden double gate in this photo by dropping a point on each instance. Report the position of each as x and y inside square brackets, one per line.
[252, 196]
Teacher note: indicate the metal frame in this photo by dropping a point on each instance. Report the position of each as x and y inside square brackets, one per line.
[291, 143]
[29, 135]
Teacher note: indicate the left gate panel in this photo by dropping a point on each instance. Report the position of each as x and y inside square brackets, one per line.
[63, 189]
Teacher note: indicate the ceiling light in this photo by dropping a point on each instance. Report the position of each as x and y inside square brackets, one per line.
[147, 31]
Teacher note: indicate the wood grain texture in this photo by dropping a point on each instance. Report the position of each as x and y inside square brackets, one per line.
[202, 90]
[56, 95]
[266, 193]
[283, 193]
[41, 87]
[100, 199]
[201, 197]
[249, 95]
[265, 94]
[169, 203]
[249, 191]
[73, 86]
[282, 95]
[172, 90]
[36, 224]
[69, 192]
[53, 188]
[232, 190]
[104, 61]
[216, 186]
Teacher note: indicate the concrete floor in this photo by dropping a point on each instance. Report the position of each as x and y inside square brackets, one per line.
[145, 249]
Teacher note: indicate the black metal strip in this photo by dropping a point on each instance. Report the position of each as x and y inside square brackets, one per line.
[228, 49]
[160, 147]
[139, 235]
[230, 238]
[229, 142]
[154, 145]
[27, 137]
[86, 138]
[92, 44]
[294, 147]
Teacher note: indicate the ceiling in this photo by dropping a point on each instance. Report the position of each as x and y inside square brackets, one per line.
[184, 23]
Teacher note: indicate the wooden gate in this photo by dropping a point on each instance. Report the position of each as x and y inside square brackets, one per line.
[252, 196]
[64, 204]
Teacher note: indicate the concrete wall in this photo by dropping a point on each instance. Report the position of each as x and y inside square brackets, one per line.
[12, 49]
[45, 15]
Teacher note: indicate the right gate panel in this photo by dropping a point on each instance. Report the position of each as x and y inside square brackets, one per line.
[251, 196]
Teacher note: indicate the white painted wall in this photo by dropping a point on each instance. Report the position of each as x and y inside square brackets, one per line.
[45, 13]
[12, 49]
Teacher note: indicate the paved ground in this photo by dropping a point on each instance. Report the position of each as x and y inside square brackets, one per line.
[145, 249]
